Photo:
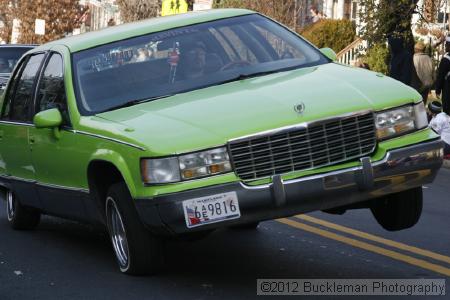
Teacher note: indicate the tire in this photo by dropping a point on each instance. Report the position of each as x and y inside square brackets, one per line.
[19, 216]
[399, 211]
[248, 226]
[137, 251]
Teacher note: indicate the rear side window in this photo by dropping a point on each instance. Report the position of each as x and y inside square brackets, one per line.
[12, 87]
[22, 95]
[51, 92]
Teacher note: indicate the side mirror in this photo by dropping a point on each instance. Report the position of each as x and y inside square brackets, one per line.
[328, 52]
[50, 118]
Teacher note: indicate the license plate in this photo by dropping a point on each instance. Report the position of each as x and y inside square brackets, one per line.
[211, 209]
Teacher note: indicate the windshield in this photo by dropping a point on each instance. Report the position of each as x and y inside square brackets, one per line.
[9, 56]
[184, 59]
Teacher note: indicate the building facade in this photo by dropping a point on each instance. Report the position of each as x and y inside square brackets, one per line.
[100, 14]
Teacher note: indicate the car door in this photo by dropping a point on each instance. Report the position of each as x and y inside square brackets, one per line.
[53, 154]
[15, 124]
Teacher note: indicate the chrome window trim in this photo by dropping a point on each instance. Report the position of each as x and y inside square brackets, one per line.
[106, 138]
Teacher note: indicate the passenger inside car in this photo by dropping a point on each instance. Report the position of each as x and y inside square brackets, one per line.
[4, 66]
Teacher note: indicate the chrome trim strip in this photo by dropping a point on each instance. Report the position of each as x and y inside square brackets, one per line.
[61, 187]
[49, 185]
[107, 138]
[386, 159]
[302, 125]
[16, 123]
[20, 179]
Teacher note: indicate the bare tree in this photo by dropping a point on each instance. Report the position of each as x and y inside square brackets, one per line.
[61, 17]
[284, 11]
[7, 14]
[134, 10]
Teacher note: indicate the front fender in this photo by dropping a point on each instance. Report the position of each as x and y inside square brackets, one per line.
[118, 161]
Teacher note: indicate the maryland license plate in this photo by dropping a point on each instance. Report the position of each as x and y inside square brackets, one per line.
[211, 209]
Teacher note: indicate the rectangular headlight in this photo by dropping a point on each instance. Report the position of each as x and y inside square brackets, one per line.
[401, 120]
[186, 167]
[205, 163]
[160, 170]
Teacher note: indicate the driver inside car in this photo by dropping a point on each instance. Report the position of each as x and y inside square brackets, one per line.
[195, 59]
[198, 62]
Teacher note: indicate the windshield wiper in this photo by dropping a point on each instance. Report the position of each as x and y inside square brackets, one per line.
[247, 76]
[257, 74]
[136, 102]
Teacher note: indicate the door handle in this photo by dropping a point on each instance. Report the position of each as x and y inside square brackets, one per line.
[31, 139]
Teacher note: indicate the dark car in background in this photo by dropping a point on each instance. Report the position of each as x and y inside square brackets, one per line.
[9, 56]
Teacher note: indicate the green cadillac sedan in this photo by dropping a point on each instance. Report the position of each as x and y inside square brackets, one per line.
[180, 125]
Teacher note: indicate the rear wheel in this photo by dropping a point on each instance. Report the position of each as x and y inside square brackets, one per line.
[399, 211]
[19, 216]
[137, 251]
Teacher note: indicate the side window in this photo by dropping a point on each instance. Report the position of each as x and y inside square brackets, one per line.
[23, 94]
[9, 93]
[226, 47]
[51, 92]
[281, 47]
[238, 45]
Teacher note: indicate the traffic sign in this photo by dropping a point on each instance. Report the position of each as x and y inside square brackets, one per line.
[172, 7]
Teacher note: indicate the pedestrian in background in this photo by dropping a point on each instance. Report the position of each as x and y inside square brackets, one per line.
[443, 78]
[314, 15]
[401, 64]
[423, 77]
[440, 123]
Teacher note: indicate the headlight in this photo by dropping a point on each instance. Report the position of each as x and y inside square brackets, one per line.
[186, 167]
[400, 120]
[161, 170]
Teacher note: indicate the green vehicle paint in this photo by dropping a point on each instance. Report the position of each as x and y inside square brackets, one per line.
[208, 117]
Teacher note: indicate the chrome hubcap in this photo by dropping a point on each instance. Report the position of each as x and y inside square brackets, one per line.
[117, 232]
[10, 206]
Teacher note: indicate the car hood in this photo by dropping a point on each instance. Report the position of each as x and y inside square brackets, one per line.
[212, 116]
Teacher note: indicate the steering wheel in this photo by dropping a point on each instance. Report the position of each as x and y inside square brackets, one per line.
[234, 64]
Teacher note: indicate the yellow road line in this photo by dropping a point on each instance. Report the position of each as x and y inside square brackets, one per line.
[375, 238]
[369, 247]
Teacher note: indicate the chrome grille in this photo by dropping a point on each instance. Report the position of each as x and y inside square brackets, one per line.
[304, 147]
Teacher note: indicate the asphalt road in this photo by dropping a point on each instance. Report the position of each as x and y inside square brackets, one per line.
[67, 260]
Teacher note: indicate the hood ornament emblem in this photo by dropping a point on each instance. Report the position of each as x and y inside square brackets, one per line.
[300, 108]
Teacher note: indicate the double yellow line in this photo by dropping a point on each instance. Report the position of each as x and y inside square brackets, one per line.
[370, 247]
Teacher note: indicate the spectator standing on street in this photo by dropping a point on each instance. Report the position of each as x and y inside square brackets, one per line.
[401, 64]
[441, 124]
[422, 78]
[443, 78]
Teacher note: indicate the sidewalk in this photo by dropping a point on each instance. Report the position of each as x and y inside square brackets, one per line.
[447, 163]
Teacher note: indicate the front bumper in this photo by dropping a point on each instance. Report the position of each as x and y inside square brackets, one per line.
[400, 170]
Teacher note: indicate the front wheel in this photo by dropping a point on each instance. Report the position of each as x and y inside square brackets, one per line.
[19, 216]
[137, 251]
[399, 211]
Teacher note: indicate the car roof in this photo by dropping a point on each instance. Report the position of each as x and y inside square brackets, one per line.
[124, 31]
[18, 46]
